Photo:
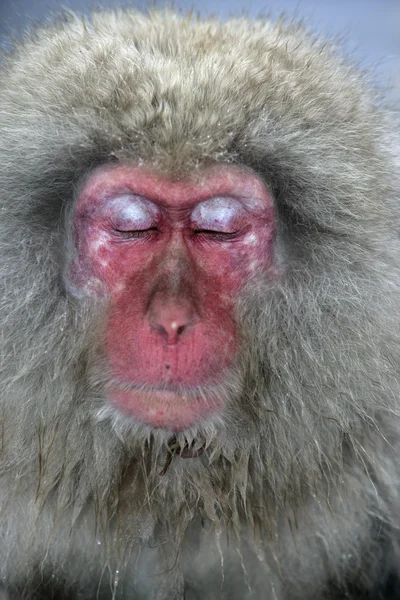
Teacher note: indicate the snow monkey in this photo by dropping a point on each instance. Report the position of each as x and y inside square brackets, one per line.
[199, 320]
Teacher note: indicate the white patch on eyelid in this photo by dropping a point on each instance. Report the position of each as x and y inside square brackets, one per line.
[217, 214]
[133, 212]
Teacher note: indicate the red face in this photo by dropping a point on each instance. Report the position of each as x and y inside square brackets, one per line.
[170, 257]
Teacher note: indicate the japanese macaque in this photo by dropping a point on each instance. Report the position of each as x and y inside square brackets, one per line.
[200, 333]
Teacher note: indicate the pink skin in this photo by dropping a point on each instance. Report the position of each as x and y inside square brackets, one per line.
[170, 257]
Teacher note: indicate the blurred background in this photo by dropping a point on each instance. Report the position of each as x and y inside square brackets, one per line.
[368, 29]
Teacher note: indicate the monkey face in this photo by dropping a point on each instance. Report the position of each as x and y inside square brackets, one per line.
[170, 258]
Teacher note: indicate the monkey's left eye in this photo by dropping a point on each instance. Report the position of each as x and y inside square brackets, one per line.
[218, 218]
[216, 235]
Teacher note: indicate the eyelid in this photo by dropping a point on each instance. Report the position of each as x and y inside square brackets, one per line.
[134, 234]
[211, 235]
[131, 227]
[219, 214]
[130, 212]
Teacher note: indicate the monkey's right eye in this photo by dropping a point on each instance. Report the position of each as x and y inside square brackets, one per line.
[131, 216]
[136, 233]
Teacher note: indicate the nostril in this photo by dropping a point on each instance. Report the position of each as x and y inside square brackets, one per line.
[171, 318]
[170, 328]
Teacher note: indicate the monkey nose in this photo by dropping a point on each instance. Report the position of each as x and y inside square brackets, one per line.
[171, 319]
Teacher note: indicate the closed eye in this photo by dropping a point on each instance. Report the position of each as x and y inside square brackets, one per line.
[136, 233]
[217, 235]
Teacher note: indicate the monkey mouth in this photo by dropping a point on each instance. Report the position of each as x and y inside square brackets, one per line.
[172, 388]
[171, 407]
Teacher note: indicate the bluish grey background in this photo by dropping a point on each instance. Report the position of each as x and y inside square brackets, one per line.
[371, 28]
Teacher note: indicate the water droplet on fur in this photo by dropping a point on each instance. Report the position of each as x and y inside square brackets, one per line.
[116, 580]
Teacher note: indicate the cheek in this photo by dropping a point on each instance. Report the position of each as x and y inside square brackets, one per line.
[103, 265]
[239, 262]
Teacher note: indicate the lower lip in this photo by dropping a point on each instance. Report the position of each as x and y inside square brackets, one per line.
[165, 409]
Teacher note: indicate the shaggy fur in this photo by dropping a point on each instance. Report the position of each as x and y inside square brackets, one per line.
[297, 493]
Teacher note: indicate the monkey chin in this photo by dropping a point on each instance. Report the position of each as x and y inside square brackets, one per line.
[166, 408]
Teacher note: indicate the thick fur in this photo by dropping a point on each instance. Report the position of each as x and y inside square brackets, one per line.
[297, 493]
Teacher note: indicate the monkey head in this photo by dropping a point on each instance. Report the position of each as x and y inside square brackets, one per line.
[199, 255]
